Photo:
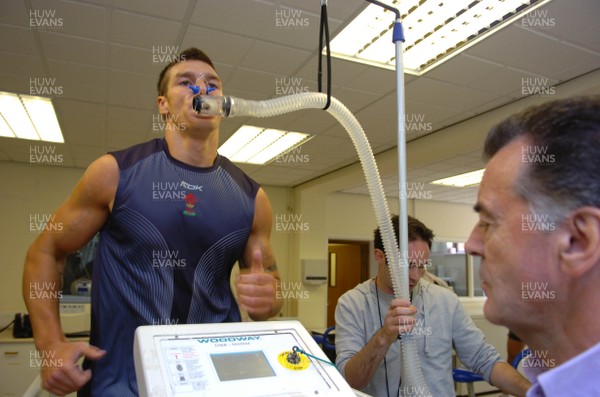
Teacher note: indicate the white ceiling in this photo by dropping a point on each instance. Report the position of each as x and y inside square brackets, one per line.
[101, 56]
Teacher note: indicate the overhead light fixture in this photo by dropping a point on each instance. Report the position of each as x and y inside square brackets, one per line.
[435, 30]
[28, 117]
[463, 180]
[258, 145]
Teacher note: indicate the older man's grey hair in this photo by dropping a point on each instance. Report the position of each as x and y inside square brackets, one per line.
[562, 170]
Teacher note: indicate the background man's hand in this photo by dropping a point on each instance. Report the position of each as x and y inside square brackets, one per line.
[399, 319]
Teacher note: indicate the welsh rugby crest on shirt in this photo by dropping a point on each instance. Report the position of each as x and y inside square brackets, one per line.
[190, 203]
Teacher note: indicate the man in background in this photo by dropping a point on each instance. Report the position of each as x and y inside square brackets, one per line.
[369, 321]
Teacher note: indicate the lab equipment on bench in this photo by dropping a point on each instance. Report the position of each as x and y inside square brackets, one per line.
[251, 359]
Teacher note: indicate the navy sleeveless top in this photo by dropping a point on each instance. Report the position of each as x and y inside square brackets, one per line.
[165, 254]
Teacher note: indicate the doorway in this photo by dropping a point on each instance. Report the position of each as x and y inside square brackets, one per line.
[348, 267]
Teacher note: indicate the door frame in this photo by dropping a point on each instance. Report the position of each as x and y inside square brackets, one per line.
[365, 260]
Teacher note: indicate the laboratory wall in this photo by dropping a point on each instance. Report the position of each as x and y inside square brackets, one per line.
[29, 195]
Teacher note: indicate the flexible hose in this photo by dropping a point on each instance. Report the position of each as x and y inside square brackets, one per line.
[413, 382]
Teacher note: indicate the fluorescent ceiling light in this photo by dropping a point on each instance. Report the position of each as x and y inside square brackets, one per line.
[28, 117]
[5, 130]
[44, 119]
[463, 180]
[435, 30]
[257, 145]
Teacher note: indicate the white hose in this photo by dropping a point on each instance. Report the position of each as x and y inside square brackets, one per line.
[413, 382]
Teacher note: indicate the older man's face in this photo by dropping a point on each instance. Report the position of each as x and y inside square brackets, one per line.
[517, 257]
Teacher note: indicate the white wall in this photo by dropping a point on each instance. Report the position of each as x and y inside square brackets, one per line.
[449, 221]
[27, 191]
[351, 217]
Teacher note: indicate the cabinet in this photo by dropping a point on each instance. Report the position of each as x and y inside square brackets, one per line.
[19, 366]
[16, 374]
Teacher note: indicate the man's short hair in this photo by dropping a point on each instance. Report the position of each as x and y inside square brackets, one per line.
[190, 54]
[562, 161]
[416, 231]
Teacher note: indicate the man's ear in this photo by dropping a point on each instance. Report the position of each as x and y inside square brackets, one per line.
[580, 251]
[163, 105]
[379, 256]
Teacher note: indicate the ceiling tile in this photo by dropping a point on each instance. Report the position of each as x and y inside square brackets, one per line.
[577, 21]
[252, 80]
[587, 38]
[426, 90]
[554, 58]
[73, 49]
[220, 46]
[17, 72]
[16, 40]
[374, 80]
[418, 113]
[291, 25]
[336, 11]
[355, 99]
[80, 92]
[467, 97]
[463, 69]
[274, 58]
[141, 31]
[14, 13]
[134, 60]
[501, 82]
[71, 18]
[135, 82]
[172, 9]
[509, 45]
[82, 131]
[70, 72]
[233, 16]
